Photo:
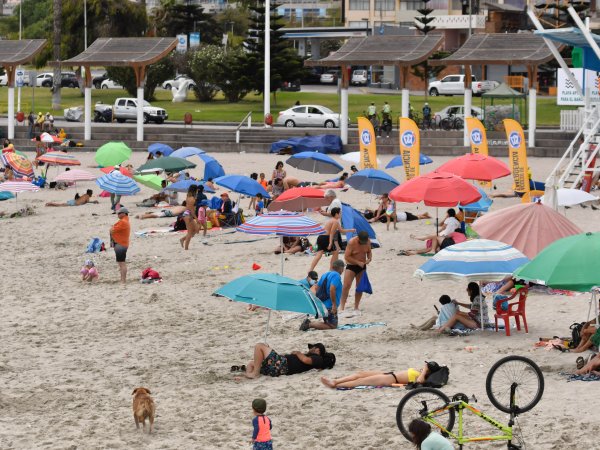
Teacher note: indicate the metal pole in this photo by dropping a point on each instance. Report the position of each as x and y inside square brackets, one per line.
[20, 18]
[267, 81]
[470, 26]
[267, 330]
[85, 24]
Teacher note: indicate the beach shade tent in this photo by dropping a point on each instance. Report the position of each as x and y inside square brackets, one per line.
[324, 143]
[300, 199]
[186, 152]
[117, 183]
[5, 195]
[354, 158]
[112, 154]
[242, 185]
[48, 138]
[439, 189]
[274, 292]
[474, 260]
[168, 164]
[20, 165]
[352, 218]
[475, 166]
[59, 159]
[528, 227]
[480, 206]
[15, 187]
[282, 223]
[212, 168]
[503, 91]
[372, 181]
[569, 197]
[396, 161]
[150, 180]
[184, 185]
[121, 169]
[314, 162]
[165, 149]
[74, 175]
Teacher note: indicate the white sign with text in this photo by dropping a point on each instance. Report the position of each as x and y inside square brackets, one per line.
[566, 94]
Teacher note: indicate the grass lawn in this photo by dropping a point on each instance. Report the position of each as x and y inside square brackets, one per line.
[219, 111]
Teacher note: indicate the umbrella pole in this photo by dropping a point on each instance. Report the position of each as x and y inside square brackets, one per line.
[267, 330]
[481, 300]
[281, 244]
[436, 221]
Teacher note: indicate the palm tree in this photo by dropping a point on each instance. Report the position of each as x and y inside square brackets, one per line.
[57, 22]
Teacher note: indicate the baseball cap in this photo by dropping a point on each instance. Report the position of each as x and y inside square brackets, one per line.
[320, 346]
[123, 210]
[363, 237]
[313, 275]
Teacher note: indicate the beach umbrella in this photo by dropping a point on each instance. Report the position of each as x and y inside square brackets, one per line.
[112, 154]
[150, 180]
[122, 169]
[117, 183]
[354, 157]
[300, 199]
[483, 204]
[184, 185]
[242, 185]
[397, 161]
[59, 159]
[19, 164]
[15, 187]
[165, 149]
[282, 224]
[475, 166]
[352, 218]
[436, 189]
[186, 152]
[168, 164]
[314, 162]
[212, 168]
[274, 292]
[528, 227]
[569, 197]
[74, 175]
[372, 181]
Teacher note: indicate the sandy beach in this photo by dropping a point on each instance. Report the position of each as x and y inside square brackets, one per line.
[72, 352]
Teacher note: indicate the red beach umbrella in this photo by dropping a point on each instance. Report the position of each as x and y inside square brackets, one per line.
[473, 166]
[300, 199]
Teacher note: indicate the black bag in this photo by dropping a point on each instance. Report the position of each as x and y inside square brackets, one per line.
[438, 378]
[179, 224]
[447, 242]
[323, 292]
[576, 334]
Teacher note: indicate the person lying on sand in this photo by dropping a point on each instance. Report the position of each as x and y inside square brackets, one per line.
[77, 201]
[168, 212]
[268, 362]
[378, 378]
[339, 184]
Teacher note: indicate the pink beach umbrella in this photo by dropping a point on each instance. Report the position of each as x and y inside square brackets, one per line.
[18, 186]
[71, 176]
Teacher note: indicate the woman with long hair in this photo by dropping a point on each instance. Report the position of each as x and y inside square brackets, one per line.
[425, 439]
[189, 217]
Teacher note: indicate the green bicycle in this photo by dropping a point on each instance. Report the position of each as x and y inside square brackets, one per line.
[514, 385]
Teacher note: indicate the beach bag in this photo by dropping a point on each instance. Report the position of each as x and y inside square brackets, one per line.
[447, 242]
[179, 224]
[438, 378]
[575, 334]
[364, 285]
[323, 292]
[95, 246]
[150, 274]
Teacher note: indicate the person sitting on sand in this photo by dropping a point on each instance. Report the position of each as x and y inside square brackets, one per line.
[155, 199]
[276, 188]
[425, 439]
[88, 271]
[447, 311]
[447, 236]
[9, 175]
[77, 201]
[167, 212]
[288, 243]
[592, 366]
[378, 378]
[379, 213]
[268, 362]
[339, 184]
[472, 319]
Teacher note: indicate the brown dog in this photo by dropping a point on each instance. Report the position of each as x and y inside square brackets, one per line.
[143, 406]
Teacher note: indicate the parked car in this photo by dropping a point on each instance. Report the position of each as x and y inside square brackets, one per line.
[97, 81]
[4, 80]
[455, 85]
[330, 77]
[39, 80]
[176, 82]
[110, 84]
[359, 78]
[67, 79]
[312, 75]
[126, 109]
[309, 116]
[458, 111]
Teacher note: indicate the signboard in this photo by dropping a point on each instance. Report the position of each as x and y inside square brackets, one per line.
[566, 94]
[33, 78]
[19, 77]
[194, 40]
[182, 42]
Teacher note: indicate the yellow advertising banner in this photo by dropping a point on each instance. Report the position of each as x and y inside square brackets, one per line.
[410, 147]
[517, 155]
[367, 144]
[478, 139]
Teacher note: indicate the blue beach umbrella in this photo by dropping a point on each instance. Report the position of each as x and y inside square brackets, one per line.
[314, 162]
[372, 181]
[212, 168]
[242, 185]
[483, 204]
[165, 149]
[351, 218]
[184, 185]
[397, 161]
[274, 292]
[186, 152]
[117, 183]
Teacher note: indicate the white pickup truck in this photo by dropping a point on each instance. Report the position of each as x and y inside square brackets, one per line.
[126, 109]
[455, 85]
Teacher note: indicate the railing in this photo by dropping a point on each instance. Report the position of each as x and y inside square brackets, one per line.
[571, 120]
[247, 117]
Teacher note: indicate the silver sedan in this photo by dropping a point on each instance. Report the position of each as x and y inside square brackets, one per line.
[309, 116]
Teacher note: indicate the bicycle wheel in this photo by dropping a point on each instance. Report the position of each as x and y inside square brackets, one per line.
[420, 402]
[524, 374]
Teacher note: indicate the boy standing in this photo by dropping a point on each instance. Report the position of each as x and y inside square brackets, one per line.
[261, 436]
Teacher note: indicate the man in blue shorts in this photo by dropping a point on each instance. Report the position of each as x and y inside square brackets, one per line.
[333, 283]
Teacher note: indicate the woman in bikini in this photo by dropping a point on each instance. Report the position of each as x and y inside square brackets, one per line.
[189, 217]
[378, 378]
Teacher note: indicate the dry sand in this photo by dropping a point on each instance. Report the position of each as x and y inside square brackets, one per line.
[71, 352]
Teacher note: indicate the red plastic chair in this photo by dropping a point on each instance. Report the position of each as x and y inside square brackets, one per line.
[515, 309]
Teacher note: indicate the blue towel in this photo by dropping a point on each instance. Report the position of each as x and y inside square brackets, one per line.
[352, 326]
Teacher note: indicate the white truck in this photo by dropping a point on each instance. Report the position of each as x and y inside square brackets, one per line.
[126, 109]
[455, 85]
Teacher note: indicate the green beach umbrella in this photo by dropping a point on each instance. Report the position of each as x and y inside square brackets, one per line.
[152, 181]
[570, 263]
[112, 154]
[167, 163]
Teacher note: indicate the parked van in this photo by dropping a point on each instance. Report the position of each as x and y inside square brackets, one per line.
[359, 78]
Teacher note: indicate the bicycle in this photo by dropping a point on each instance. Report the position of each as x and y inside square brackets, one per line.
[452, 123]
[514, 385]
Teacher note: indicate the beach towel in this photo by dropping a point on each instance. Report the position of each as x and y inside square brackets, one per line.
[96, 245]
[364, 285]
[368, 387]
[586, 377]
[353, 326]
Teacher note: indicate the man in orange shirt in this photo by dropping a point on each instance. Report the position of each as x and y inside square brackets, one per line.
[119, 237]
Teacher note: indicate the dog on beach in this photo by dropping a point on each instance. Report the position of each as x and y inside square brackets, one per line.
[143, 407]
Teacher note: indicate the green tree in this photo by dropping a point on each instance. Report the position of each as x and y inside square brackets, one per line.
[235, 19]
[423, 26]
[172, 17]
[232, 74]
[204, 67]
[156, 74]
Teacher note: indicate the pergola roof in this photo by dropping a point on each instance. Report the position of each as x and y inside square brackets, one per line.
[499, 48]
[123, 52]
[382, 50]
[569, 36]
[13, 53]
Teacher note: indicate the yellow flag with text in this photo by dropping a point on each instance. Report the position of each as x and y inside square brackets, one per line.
[410, 147]
[517, 155]
[367, 144]
[478, 139]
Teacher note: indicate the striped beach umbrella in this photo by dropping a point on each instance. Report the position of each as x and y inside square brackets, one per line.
[117, 183]
[59, 159]
[18, 186]
[71, 176]
[19, 164]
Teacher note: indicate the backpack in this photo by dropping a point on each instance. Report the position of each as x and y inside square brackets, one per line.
[438, 378]
[575, 334]
[323, 292]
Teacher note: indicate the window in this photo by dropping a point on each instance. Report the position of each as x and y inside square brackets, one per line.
[121, 103]
[359, 24]
[131, 103]
[384, 5]
[313, 110]
[451, 79]
[413, 5]
[300, 110]
[362, 5]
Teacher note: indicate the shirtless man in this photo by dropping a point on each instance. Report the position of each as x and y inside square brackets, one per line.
[290, 182]
[77, 201]
[328, 241]
[357, 256]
